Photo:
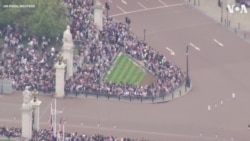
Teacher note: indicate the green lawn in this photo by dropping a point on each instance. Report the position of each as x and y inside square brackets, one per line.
[1, 41]
[125, 70]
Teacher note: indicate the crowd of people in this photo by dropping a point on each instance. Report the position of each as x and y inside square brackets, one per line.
[27, 65]
[46, 135]
[99, 50]
[33, 64]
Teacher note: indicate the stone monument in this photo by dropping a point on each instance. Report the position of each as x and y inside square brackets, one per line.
[98, 15]
[60, 72]
[30, 110]
[67, 49]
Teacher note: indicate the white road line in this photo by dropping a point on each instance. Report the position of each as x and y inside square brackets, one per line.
[123, 1]
[148, 9]
[195, 47]
[121, 9]
[219, 43]
[171, 51]
[162, 2]
[233, 95]
[142, 5]
[209, 108]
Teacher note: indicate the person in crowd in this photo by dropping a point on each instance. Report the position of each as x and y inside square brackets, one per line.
[45, 135]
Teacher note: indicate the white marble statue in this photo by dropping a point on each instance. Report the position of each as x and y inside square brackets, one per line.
[67, 37]
[27, 96]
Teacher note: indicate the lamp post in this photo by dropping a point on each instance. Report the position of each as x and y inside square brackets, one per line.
[187, 78]
[221, 5]
[227, 17]
[2, 84]
[144, 37]
[34, 130]
[107, 9]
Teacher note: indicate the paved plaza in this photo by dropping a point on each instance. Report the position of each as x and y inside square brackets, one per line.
[215, 109]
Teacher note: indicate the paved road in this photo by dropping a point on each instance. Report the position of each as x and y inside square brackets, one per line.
[239, 22]
[212, 9]
[219, 66]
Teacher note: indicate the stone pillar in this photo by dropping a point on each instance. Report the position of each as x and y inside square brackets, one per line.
[27, 121]
[67, 51]
[36, 110]
[68, 56]
[98, 15]
[60, 71]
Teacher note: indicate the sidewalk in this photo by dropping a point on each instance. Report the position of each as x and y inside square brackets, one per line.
[236, 22]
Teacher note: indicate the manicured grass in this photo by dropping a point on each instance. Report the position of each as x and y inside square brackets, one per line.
[1, 41]
[126, 71]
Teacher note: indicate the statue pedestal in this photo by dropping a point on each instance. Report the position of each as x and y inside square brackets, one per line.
[36, 108]
[98, 15]
[67, 51]
[27, 121]
[68, 56]
[60, 71]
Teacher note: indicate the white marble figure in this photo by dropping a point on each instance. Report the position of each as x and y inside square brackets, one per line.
[67, 37]
[27, 97]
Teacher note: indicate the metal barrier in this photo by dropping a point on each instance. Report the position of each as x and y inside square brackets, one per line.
[5, 86]
[163, 97]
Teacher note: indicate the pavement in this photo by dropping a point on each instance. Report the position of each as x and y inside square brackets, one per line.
[236, 22]
[215, 110]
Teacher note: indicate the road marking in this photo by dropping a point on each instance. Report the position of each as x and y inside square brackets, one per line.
[142, 5]
[123, 1]
[221, 102]
[171, 51]
[195, 47]
[233, 95]
[219, 43]
[121, 9]
[110, 1]
[215, 105]
[134, 131]
[148, 9]
[162, 3]
[209, 108]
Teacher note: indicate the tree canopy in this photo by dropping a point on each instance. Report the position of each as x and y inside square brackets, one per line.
[43, 17]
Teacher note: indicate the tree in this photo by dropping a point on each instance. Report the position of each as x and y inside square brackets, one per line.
[47, 17]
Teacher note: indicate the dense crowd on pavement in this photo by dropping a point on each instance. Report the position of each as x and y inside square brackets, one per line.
[27, 65]
[46, 135]
[32, 65]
